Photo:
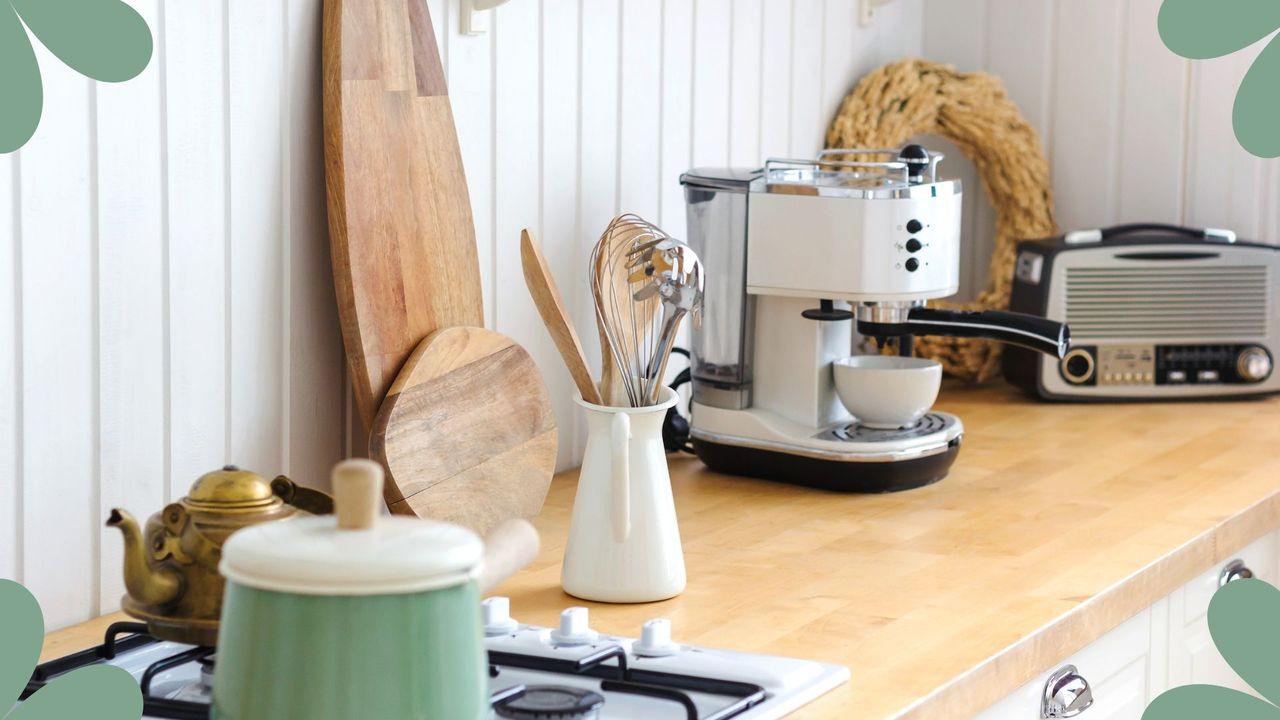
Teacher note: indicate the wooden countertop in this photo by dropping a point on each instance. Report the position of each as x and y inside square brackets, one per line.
[1056, 523]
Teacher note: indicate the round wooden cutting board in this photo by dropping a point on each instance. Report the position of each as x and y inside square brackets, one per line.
[466, 431]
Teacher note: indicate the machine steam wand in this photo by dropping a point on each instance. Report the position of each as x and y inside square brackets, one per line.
[902, 320]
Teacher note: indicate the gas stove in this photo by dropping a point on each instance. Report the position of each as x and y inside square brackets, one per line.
[570, 672]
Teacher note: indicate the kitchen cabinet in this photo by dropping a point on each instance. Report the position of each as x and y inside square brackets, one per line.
[1164, 646]
[1120, 668]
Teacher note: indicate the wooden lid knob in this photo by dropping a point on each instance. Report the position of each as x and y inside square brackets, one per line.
[357, 492]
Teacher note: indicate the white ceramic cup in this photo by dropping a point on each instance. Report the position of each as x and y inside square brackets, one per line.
[887, 391]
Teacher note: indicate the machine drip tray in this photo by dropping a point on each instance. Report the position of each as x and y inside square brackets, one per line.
[928, 425]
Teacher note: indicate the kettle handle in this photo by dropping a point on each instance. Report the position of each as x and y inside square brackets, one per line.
[620, 435]
[303, 498]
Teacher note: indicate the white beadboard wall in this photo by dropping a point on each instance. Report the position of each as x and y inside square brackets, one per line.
[1132, 132]
[165, 295]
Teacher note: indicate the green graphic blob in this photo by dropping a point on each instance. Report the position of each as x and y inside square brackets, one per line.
[1202, 29]
[1209, 702]
[21, 93]
[1256, 113]
[1199, 29]
[1243, 622]
[22, 627]
[102, 39]
[102, 692]
[105, 40]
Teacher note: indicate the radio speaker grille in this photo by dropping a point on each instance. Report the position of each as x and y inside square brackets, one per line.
[1167, 302]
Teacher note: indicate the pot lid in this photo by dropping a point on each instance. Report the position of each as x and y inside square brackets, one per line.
[231, 487]
[354, 551]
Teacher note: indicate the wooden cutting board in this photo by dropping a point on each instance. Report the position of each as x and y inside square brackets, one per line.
[466, 432]
[401, 233]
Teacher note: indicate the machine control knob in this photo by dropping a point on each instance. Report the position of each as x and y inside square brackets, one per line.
[497, 616]
[574, 628]
[912, 264]
[1253, 364]
[655, 639]
[913, 245]
[914, 226]
[1077, 366]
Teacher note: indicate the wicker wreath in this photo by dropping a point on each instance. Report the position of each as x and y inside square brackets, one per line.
[914, 97]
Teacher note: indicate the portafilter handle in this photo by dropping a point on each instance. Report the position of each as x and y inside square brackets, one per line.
[1028, 331]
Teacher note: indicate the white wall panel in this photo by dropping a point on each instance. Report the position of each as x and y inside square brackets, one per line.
[747, 55]
[255, 267]
[805, 97]
[676, 107]
[1086, 126]
[712, 56]
[775, 79]
[1152, 122]
[196, 128]
[10, 365]
[59, 350]
[130, 249]
[561, 163]
[598, 123]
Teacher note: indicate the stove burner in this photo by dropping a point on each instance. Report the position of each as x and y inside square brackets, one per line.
[927, 425]
[548, 702]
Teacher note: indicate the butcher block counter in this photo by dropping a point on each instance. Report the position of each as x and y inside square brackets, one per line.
[1057, 523]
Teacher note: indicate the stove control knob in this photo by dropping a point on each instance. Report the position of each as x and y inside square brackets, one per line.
[1253, 364]
[655, 639]
[573, 629]
[497, 616]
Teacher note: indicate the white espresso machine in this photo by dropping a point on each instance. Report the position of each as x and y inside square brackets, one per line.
[796, 253]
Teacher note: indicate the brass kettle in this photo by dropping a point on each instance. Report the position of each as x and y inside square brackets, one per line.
[171, 567]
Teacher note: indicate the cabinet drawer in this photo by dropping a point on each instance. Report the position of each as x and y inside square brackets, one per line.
[1117, 667]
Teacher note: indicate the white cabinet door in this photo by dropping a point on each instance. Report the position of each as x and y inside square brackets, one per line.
[1119, 667]
[1192, 656]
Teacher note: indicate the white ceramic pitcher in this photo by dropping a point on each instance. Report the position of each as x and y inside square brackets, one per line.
[624, 543]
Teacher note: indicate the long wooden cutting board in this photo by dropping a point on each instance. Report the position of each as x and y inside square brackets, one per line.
[401, 233]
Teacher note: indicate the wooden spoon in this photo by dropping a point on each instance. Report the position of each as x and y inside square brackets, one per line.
[546, 296]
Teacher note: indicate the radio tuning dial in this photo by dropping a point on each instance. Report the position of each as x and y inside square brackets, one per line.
[1253, 364]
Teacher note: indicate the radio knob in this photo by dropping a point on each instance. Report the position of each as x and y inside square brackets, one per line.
[1253, 364]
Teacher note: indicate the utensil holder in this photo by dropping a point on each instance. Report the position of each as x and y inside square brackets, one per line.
[624, 541]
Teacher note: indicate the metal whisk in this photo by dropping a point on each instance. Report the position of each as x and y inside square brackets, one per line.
[644, 282]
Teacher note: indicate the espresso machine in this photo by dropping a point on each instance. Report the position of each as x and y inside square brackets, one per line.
[803, 257]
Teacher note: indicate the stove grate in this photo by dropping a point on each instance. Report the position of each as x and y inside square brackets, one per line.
[123, 637]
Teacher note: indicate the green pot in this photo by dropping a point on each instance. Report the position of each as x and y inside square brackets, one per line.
[379, 621]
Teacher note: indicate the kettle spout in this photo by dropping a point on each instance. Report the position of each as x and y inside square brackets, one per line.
[146, 584]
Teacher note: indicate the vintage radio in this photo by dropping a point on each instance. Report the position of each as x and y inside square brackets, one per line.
[1155, 311]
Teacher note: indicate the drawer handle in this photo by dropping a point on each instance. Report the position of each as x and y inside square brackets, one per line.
[1066, 694]
[1234, 570]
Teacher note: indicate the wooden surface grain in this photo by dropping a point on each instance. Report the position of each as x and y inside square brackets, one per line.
[1057, 523]
[466, 432]
[401, 234]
